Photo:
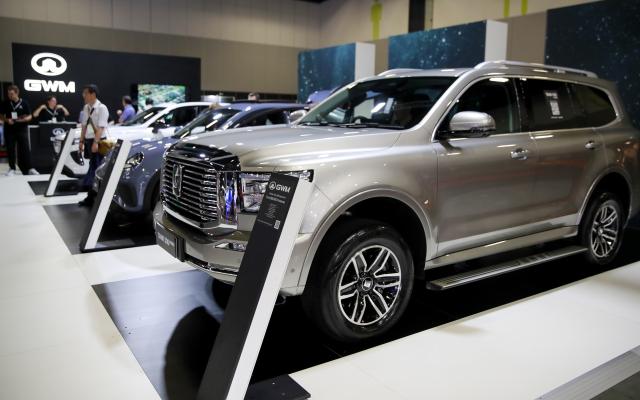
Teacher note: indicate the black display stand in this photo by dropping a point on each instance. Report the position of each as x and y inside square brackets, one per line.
[253, 297]
[114, 167]
[65, 187]
[41, 142]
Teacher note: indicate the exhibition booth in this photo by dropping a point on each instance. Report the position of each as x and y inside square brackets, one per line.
[488, 254]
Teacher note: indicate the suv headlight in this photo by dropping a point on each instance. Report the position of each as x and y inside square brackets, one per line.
[133, 161]
[252, 189]
[253, 186]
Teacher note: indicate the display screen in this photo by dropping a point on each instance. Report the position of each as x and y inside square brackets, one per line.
[161, 93]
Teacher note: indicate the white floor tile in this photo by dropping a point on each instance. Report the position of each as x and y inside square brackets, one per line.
[54, 318]
[22, 279]
[341, 380]
[77, 370]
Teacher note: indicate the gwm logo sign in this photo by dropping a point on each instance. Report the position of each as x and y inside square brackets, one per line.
[279, 187]
[49, 64]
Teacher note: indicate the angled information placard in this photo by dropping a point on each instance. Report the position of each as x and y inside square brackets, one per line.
[254, 295]
[114, 168]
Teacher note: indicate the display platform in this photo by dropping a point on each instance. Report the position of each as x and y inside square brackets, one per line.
[170, 321]
[70, 221]
[66, 187]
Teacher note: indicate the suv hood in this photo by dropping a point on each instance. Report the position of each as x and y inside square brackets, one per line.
[289, 146]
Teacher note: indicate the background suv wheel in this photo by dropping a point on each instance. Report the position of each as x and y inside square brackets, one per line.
[602, 228]
[361, 280]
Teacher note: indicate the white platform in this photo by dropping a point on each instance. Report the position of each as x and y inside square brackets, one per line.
[58, 342]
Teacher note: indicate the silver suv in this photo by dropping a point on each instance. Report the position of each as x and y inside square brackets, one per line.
[414, 170]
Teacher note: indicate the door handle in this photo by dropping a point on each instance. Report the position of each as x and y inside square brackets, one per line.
[591, 145]
[520, 154]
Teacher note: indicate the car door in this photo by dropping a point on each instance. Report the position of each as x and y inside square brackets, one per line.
[485, 184]
[570, 152]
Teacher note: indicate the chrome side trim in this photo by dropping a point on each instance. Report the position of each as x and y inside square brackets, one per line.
[502, 246]
[503, 268]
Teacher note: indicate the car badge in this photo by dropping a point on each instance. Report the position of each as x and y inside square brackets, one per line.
[177, 180]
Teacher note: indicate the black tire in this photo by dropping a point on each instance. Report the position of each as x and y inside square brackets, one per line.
[332, 267]
[596, 236]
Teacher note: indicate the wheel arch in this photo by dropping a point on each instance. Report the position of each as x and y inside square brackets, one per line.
[611, 180]
[363, 202]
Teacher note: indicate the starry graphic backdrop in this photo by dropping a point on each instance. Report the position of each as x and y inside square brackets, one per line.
[325, 69]
[603, 37]
[452, 47]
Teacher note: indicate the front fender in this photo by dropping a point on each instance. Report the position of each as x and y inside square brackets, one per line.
[349, 201]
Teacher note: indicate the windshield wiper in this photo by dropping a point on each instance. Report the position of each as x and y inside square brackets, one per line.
[318, 123]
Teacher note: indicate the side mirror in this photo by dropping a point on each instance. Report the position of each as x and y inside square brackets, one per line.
[197, 129]
[159, 124]
[471, 124]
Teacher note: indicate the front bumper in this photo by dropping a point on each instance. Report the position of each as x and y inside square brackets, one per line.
[220, 256]
[131, 195]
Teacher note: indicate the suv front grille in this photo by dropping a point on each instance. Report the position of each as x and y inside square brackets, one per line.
[197, 200]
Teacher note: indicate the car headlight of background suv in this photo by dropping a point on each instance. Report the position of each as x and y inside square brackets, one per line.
[133, 161]
[253, 186]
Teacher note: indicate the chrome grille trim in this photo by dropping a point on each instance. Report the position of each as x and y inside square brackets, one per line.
[197, 203]
[199, 197]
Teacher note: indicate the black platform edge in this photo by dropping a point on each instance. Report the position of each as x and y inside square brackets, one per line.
[282, 387]
[70, 219]
[67, 187]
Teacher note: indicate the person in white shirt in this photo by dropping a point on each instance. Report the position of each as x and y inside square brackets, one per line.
[95, 118]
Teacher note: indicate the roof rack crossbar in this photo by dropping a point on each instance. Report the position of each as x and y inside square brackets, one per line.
[551, 68]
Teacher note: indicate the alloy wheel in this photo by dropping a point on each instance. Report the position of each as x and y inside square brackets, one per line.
[369, 285]
[605, 231]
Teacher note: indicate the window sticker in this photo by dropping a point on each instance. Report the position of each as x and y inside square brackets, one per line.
[552, 100]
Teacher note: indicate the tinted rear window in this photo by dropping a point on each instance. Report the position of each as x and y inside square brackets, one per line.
[595, 104]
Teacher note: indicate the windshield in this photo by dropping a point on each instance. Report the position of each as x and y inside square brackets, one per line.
[143, 116]
[209, 120]
[392, 103]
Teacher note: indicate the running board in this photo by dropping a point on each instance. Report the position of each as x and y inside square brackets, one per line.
[503, 268]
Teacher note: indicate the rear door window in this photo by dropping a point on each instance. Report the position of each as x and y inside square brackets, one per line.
[550, 105]
[595, 105]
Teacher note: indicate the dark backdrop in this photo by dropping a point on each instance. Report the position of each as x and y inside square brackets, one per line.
[115, 73]
[456, 46]
[603, 37]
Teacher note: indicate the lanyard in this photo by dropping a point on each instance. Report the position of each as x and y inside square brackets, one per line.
[17, 105]
[53, 114]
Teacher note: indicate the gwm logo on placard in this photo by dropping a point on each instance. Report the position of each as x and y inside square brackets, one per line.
[279, 187]
[49, 64]
[176, 183]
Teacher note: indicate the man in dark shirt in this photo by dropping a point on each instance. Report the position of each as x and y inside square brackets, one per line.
[51, 111]
[16, 115]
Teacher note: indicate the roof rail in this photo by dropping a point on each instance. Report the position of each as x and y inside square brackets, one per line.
[399, 71]
[548, 68]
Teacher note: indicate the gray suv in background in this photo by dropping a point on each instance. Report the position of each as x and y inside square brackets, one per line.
[414, 170]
